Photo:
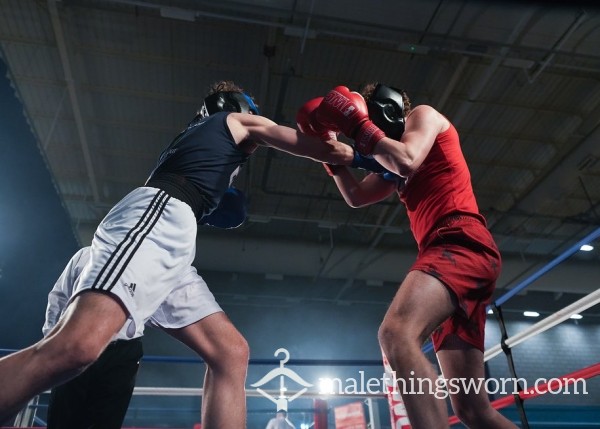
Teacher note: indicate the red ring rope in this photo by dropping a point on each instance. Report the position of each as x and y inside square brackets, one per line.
[565, 380]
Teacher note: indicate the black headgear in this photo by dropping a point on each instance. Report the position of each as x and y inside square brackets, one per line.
[228, 101]
[386, 110]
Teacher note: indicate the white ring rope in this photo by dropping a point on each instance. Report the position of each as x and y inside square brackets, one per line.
[193, 391]
[542, 326]
[545, 324]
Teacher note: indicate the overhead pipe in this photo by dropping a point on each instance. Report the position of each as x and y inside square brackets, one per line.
[70, 80]
[355, 35]
[477, 87]
[561, 41]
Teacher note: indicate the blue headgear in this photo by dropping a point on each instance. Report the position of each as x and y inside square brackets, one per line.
[386, 110]
[228, 101]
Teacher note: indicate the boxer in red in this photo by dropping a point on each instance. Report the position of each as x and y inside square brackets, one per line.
[447, 289]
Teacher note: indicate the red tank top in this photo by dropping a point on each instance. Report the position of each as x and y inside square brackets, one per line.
[440, 186]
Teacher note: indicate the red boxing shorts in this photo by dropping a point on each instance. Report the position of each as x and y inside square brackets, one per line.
[461, 253]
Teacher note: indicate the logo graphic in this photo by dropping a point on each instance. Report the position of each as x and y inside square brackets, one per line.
[131, 288]
[281, 401]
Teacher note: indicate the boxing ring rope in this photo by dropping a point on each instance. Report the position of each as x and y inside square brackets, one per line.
[296, 362]
[549, 266]
[545, 324]
[538, 328]
[553, 384]
[554, 319]
[193, 391]
[505, 346]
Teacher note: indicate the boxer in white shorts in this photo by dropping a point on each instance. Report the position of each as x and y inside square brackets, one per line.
[99, 397]
[145, 244]
[189, 301]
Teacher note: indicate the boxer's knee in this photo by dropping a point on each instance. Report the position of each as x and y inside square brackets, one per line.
[68, 355]
[397, 339]
[237, 350]
[473, 415]
[230, 355]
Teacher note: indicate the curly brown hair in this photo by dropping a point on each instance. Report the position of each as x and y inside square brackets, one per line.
[226, 86]
[368, 89]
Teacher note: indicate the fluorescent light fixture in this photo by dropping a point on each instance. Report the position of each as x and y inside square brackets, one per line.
[576, 316]
[294, 31]
[531, 314]
[586, 248]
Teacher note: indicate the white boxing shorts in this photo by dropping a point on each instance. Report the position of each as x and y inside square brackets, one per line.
[142, 253]
[190, 301]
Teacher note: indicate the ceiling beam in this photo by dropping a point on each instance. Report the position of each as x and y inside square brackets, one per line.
[72, 90]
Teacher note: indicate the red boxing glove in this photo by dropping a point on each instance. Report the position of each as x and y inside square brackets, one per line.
[308, 124]
[347, 111]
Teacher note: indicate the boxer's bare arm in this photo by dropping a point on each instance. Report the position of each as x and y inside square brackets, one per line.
[406, 155]
[245, 127]
[370, 190]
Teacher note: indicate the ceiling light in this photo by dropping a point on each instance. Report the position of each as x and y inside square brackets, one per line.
[293, 31]
[531, 314]
[586, 248]
[576, 316]
[490, 311]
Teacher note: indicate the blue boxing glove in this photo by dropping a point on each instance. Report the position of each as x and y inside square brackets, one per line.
[388, 176]
[367, 163]
[230, 213]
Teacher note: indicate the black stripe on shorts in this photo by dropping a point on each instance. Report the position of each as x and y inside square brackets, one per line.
[126, 249]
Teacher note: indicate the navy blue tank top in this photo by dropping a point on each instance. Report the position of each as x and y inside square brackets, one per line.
[199, 164]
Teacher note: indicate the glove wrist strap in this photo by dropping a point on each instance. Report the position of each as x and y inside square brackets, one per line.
[367, 137]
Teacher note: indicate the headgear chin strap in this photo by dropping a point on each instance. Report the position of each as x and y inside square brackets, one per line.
[386, 110]
[228, 101]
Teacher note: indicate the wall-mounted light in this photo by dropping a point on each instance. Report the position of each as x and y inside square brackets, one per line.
[586, 248]
[531, 314]
[576, 316]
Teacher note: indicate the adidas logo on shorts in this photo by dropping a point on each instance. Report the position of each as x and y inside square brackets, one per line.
[131, 288]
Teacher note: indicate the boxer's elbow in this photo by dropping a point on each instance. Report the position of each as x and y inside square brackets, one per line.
[357, 198]
[407, 167]
[401, 164]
